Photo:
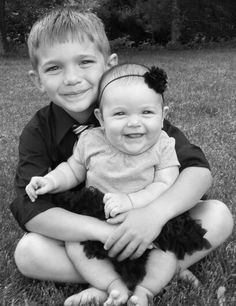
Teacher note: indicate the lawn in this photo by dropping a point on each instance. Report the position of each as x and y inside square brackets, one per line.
[202, 100]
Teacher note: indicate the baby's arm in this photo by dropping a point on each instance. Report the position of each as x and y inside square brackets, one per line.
[116, 203]
[38, 185]
[62, 178]
[164, 179]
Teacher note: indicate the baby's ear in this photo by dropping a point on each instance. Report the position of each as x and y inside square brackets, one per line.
[35, 78]
[98, 115]
[165, 111]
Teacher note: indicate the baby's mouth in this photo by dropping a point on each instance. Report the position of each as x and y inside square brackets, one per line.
[134, 135]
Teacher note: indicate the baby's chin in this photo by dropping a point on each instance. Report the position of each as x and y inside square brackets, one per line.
[133, 151]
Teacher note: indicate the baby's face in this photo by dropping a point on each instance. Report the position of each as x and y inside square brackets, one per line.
[132, 116]
[69, 73]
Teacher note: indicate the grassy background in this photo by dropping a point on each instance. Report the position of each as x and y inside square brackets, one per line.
[202, 99]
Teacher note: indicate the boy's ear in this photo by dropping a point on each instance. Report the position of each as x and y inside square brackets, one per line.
[36, 80]
[99, 116]
[112, 60]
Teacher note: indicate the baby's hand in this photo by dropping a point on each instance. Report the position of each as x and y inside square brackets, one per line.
[38, 185]
[116, 203]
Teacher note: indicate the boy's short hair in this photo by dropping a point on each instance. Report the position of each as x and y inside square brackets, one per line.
[63, 24]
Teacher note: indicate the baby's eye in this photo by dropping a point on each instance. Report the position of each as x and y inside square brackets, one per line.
[119, 114]
[147, 112]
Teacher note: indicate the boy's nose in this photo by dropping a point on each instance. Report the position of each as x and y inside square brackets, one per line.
[72, 77]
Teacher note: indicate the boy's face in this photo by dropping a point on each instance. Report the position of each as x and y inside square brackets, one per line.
[132, 116]
[69, 73]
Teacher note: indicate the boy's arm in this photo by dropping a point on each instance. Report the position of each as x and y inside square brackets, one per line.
[64, 225]
[164, 179]
[35, 158]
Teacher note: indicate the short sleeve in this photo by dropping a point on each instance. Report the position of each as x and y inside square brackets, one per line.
[167, 153]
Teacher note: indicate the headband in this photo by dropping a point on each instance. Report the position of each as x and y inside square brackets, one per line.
[155, 78]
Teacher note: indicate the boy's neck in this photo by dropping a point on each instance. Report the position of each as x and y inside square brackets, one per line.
[81, 117]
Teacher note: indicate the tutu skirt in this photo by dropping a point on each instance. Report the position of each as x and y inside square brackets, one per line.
[181, 235]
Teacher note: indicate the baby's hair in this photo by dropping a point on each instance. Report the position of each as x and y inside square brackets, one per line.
[63, 24]
[154, 77]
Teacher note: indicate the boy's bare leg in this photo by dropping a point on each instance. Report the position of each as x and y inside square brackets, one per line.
[160, 269]
[98, 273]
[43, 258]
[217, 220]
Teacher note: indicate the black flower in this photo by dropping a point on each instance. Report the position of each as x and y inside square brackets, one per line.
[156, 78]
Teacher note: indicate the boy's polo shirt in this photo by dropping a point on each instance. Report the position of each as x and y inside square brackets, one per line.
[48, 139]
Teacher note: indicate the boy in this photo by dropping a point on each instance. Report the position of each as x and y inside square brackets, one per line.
[69, 52]
[133, 161]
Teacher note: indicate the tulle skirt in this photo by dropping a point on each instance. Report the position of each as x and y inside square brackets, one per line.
[181, 235]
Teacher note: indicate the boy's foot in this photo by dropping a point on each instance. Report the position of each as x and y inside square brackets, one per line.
[86, 296]
[118, 294]
[141, 297]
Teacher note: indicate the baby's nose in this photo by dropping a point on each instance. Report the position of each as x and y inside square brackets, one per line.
[133, 120]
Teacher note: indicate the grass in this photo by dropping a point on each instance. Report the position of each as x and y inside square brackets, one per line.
[202, 98]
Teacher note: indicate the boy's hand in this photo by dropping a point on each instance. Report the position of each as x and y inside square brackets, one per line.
[116, 203]
[137, 229]
[38, 185]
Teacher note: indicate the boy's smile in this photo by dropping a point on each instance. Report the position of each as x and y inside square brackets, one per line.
[69, 73]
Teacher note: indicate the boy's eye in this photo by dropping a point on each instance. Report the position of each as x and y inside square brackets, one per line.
[52, 68]
[86, 62]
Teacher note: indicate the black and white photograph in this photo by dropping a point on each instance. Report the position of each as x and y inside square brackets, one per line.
[118, 152]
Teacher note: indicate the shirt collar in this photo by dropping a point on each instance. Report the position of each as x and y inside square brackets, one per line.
[64, 122]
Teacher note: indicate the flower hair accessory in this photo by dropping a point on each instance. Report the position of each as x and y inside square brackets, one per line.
[156, 78]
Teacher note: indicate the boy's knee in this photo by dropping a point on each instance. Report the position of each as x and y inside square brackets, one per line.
[220, 221]
[26, 252]
[224, 218]
[216, 219]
